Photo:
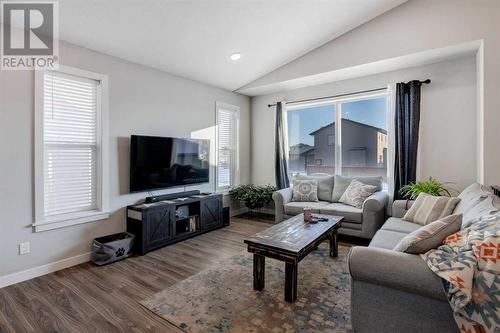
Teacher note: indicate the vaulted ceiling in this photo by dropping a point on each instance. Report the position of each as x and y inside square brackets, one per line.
[195, 39]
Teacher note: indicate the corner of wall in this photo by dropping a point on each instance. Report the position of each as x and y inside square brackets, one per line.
[480, 113]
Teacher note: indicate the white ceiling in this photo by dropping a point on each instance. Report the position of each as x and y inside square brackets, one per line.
[194, 39]
[391, 64]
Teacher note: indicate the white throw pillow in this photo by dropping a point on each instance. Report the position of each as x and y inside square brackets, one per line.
[356, 193]
[428, 208]
[430, 236]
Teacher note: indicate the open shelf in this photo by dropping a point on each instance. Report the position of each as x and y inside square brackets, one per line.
[187, 225]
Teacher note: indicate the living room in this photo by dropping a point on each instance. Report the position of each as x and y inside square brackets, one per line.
[378, 117]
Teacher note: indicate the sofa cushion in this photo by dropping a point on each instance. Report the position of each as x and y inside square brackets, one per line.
[350, 213]
[325, 185]
[356, 193]
[297, 207]
[386, 239]
[400, 225]
[483, 210]
[428, 208]
[305, 190]
[429, 236]
[342, 182]
[470, 197]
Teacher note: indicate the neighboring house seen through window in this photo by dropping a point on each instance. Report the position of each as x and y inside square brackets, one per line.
[348, 136]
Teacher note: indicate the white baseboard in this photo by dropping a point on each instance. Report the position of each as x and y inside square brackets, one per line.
[34, 272]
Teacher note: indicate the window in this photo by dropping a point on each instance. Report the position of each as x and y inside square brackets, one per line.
[331, 139]
[364, 129]
[227, 146]
[71, 149]
[310, 131]
[359, 149]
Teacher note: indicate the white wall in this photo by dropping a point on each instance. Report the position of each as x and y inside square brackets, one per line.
[447, 125]
[142, 101]
[417, 26]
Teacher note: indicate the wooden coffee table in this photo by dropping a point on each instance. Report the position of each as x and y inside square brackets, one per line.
[290, 241]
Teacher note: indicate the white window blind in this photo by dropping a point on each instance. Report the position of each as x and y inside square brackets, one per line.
[226, 150]
[70, 144]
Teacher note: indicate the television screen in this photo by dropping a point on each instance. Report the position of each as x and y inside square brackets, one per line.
[162, 162]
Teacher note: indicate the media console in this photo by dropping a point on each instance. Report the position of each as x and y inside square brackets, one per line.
[168, 221]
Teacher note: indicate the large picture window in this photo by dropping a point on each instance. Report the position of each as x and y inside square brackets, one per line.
[344, 136]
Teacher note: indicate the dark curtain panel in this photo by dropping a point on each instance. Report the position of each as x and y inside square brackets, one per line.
[406, 128]
[281, 165]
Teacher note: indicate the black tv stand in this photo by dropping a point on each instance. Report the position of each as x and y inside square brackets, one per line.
[169, 221]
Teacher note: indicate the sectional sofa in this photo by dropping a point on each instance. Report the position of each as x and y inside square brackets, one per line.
[395, 292]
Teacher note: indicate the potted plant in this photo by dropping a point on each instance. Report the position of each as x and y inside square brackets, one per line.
[430, 186]
[253, 196]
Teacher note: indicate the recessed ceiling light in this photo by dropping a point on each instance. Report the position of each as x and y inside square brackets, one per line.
[235, 56]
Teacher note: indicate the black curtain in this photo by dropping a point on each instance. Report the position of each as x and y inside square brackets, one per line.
[281, 165]
[406, 129]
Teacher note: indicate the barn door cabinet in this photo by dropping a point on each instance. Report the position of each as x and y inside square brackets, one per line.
[211, 213]
[166, 222]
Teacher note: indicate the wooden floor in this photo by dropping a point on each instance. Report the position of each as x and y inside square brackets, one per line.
[86, 298]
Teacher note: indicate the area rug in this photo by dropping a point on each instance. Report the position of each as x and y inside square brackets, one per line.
[222, 299]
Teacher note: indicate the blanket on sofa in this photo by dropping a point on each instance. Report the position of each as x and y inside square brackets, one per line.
[469, 264]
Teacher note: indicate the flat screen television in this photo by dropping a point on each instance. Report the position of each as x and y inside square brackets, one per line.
[163, 162]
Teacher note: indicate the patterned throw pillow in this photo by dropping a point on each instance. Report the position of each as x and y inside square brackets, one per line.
[356, 193]
[305, 190]
[429, 236]
[428, 208]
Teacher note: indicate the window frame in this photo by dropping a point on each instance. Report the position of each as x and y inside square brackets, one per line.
[337, 102]
[42, 222]
[235, 157]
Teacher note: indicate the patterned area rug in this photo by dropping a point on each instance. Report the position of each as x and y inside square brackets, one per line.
[222, 299]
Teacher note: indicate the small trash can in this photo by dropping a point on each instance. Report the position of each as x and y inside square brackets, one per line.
[108, 249]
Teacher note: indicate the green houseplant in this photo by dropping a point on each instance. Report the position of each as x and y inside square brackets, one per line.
[431, 187]
[253, 196]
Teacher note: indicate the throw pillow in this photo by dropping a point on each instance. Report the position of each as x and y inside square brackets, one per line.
[470, 197]
[482, 211]
[429, 236]
[325, 185]
[341, 183]
[428, 208]
[305, 190]
[356, 193]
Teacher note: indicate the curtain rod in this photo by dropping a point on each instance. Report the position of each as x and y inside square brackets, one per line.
[342, 95]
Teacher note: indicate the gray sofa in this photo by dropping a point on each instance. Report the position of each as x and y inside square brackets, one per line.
[360, 222]
[394, 291]
[397, 292]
